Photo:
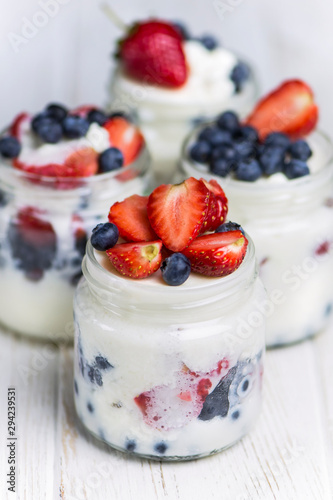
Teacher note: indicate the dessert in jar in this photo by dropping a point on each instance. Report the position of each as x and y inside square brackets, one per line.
[169, 344]
[59, 170]
[171, 79]
[277, 170]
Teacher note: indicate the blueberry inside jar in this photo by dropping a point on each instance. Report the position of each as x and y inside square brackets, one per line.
[54, 190]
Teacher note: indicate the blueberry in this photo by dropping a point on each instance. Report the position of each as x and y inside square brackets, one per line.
[229, 226]
[176, 269]
[217, 402]
[104, 236]
[49, 130]
[56, 111]
[38, 119]
[248, 171]
[90, 407]
[209, 42]
[76, 278]
[200, 151]
[98, 377]
[102, 363]
[76, 389]
[130, 445]
[182, 29]
[228, 121]
[215, 136]
[271, 159]
[161, 448]
[97, 116]
[75, 127]
[245, 150]
[121, 114]
[235, 415]
[220, 167]
[300, 150]
[81, 243]
[277, 139]
[246, 133]
[110, 159]
[296, 168]
[9, 147]
[225, 151]
[3, 198]
[239, 75]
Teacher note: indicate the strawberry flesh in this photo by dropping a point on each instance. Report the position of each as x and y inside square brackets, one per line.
[217, 206]
[126, 137]
[130, 217]
[177, 212]
[16, 127]
[136, 260]
[217, 254]
[289, 109]
[153, 53]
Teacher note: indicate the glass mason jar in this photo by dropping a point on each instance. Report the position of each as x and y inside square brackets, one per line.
[170, 373]
[291, 224]
[167, 116]
[44, 226]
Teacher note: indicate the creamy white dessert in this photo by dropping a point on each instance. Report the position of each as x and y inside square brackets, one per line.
[44, 225]
[168, 372]
[291, 222]
[167, 115]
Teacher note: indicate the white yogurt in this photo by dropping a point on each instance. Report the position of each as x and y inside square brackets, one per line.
[164, 351]
[166, 115]
[291, 222]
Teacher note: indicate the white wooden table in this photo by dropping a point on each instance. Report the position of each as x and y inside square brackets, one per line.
[288, 455]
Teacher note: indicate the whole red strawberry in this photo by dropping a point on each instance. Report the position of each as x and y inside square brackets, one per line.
[152, 52]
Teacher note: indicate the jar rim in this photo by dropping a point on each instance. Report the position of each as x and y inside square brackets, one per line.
[254, 188]
[104, 280]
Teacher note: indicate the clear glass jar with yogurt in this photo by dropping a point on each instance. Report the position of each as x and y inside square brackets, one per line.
[167, 115]
[170, 373]
[291, 223]
[43, 234]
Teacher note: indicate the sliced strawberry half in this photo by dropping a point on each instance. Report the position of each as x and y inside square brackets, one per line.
[217, 206]
[177, 212]
[125, 136]
[130, 217]
[217, 254]
[153, 53]
[290, 109]
[80, 163]
[16, 127]
[136, 260]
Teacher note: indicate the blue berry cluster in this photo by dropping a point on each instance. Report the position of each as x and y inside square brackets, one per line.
[95, 370]
[229, 148]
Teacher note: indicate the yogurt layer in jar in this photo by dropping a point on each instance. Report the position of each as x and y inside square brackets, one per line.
[215, 80]
[289, 213]
[168, 373]
[51, 195]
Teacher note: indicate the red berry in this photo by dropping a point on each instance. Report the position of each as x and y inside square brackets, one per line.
[130, 217]
[289, 109]
[177, 212]
[152, 52]
[16, 127]
[217, 254]
[136, 260]
[217, 206]
[125, 136]
[34, 229]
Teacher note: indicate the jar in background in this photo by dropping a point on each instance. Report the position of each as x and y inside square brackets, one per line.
[171, 373]
[291, 223]
[44, 226]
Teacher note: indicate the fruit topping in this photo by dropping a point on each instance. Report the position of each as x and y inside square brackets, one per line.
[75, 127]
[229, 226]
[290, 109]
[9, 147]
[217, 206]
[104, 236]
[110, 159]
[177, 212]
[130, 217]
[125, 136]
[152, 52]
[136, 260]
[239, 75]
[176, 269]
[217, 254]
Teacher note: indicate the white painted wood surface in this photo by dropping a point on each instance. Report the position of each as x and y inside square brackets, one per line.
[287, 456]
